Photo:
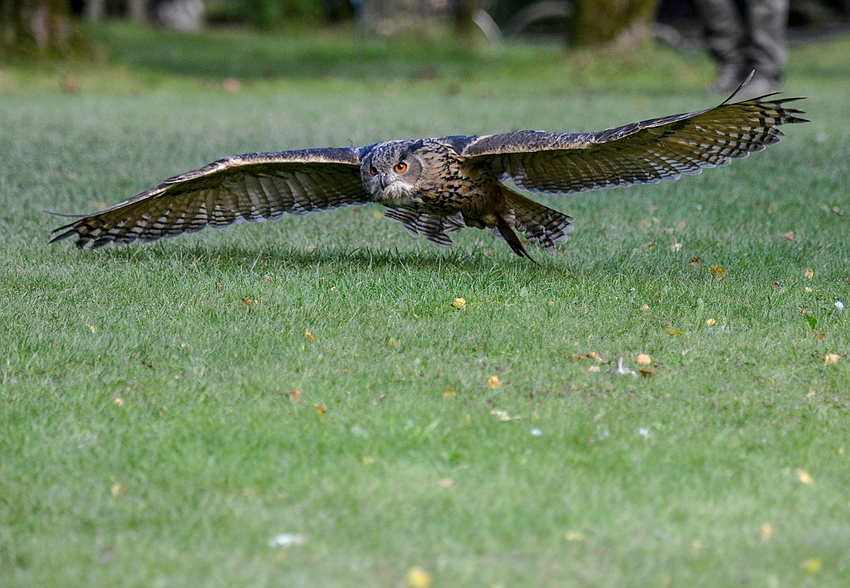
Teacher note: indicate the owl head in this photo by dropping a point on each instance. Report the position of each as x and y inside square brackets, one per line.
[392, 171]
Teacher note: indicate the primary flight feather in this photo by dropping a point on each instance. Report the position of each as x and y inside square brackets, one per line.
[437, 186]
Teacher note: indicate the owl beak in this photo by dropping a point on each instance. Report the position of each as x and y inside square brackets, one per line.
[383, 181]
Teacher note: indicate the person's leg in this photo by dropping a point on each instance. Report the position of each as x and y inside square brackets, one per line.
[727, 39]
[767, 50]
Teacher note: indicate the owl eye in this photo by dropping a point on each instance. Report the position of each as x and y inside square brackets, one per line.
[373, 171]
[400, 167]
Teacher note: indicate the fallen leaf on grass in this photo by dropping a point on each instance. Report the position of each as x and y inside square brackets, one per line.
[696, 261]
[644, 308]
[696, 546]
[459, 303]
[445, 483]
[646, 373]
[710, 322]
[493, 382]
[119, 402]
[672, 331]
[418, 578]
[594, 369]
[320, 408]
[809, 273]
[643, 359]
[309, 336]
[118, 490]
[448, 393]
[766, 532]
[294, 395]
[804, 476]
[287, 539]
[594, 355]
[503, 415]
[789, 236]
[573, 536]
[813, 565]
[248, 301]
[623, 371]
[830, 358]
[717, 271]
[367, 460]
[393, 342]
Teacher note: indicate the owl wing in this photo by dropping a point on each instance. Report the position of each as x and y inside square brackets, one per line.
[638, 153]
[253, 187]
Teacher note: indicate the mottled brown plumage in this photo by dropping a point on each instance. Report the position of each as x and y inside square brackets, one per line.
[438, 186]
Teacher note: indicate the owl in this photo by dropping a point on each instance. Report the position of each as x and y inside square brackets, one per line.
[437, 186]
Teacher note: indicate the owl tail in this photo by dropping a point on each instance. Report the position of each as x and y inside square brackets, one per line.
[540, 224]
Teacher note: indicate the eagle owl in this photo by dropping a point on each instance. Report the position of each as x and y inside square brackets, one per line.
[437, 186]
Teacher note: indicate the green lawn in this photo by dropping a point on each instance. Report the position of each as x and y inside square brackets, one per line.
[150, 432]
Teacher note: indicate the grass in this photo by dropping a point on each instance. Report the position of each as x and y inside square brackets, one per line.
[150, 433]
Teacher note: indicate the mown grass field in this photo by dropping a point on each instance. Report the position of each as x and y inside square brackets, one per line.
[151, 435]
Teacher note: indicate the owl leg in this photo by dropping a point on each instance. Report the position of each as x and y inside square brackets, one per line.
[508, 235]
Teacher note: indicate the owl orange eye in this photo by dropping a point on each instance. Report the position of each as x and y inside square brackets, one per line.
[373, 171]
[400, 167]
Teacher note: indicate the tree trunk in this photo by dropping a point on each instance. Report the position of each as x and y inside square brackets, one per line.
[598, 22]
[40, 26]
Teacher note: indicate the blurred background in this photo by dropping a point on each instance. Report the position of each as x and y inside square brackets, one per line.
[57, 28]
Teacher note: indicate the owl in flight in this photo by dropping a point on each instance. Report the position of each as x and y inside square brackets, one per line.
[437, 186]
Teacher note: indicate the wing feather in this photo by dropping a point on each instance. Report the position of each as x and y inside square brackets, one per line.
[643, 152]
[252, 187]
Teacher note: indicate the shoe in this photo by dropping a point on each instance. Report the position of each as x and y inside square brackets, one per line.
[729, 77]
[758, 86]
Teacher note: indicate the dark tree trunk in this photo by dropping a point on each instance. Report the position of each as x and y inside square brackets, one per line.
[36, 26]
[597, 22]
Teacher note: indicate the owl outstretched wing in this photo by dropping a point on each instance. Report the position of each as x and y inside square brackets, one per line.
[643, 152]
[253, 187]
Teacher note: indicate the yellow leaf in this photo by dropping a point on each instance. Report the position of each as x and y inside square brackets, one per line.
[118, 490]
[813, 565]
[717, 271]
[309, 336]
[710, 322]
[248, 301]
[643, 359]
[418, 578]
[808, 290]
[493, 382]
[696, 546]
[766, 532]
[674, 332]
[118, 402]
[804, 476]
[448, 393]
[594, 369]
[320, 408]
[367, 460]
[644, 308]
[830, 358]
[459, 303]
[594, 355]
[809, 273]
[377, 213]
[93, 328]
[445, 482]
[393, 342]
[574, 536]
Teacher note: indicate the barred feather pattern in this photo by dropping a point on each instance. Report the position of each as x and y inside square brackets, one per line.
[253, 187]
[430, 226]
[644, 152]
